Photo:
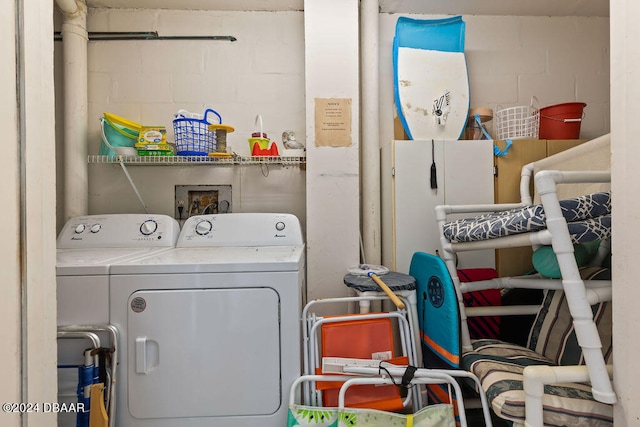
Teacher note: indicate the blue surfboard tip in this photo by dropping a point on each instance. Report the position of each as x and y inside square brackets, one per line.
[446, 34]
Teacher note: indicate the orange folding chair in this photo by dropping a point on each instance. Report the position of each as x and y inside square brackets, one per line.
[372, 336]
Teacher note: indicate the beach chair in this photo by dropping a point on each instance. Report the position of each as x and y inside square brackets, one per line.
[95, 376]
[373, 335]
[360, 372]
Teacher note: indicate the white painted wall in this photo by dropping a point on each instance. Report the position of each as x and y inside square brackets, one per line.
[333, 186]
[10, 294]
[625, 110]
[27, 253]
[38, 245]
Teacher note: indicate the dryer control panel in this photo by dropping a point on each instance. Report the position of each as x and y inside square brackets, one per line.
[241, 229]
[119, 231]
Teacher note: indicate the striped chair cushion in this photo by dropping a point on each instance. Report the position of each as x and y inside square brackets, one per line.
[588, 218]
[499, 367]
[552, 342]
[553, 334]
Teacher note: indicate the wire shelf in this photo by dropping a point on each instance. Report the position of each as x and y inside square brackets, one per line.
[199, 160]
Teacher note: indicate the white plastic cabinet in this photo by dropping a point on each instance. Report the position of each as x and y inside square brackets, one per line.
[464, 172]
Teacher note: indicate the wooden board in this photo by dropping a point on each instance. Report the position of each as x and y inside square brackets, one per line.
[509, 167]
[555, 146]
[517, 261]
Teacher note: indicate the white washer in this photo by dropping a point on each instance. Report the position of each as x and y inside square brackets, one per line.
[210, 331]
[86, 248]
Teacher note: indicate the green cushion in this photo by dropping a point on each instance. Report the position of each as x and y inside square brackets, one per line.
[545, 261]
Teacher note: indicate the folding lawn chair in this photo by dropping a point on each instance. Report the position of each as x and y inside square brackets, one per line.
[437, 415]
[441, 415]
[95, 376]
[376, 335]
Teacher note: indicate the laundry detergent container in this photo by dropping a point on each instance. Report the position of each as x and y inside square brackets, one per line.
[561, 121]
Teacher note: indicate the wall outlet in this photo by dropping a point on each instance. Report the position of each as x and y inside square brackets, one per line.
[193, 200]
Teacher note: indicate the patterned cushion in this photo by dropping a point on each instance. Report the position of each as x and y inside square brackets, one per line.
[588, 217]
[499, 367]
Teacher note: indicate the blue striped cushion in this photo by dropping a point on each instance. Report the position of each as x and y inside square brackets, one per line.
[589, 219]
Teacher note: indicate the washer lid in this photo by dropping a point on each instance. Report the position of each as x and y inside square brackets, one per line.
[216, 260]
[94, 261]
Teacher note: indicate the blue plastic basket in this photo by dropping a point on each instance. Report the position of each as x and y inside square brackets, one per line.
[192, 135]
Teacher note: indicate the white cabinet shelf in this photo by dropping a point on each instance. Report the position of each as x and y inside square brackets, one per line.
[200, 160]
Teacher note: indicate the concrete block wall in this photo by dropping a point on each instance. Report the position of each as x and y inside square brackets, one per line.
[510, 59]
[149, 81]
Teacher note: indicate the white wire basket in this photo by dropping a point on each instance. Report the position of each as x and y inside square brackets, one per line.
[517, 122]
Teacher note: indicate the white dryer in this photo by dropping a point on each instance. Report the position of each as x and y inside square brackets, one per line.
[210, 331]
[86, 248]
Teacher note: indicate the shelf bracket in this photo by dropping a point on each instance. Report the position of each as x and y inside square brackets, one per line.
[135, 189]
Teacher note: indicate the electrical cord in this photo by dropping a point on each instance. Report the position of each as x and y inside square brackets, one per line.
[180, 209]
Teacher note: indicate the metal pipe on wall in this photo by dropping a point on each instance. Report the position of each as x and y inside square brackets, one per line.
[370, 154]
[74, 45]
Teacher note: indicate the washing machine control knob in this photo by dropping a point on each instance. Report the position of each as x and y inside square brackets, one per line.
[204, 227]
[95, 228]
[80, 228]
[148, 227]
[279, 225]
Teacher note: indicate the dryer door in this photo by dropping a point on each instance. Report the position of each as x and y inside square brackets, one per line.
[203, 352]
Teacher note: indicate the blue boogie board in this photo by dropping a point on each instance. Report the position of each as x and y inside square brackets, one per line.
[431, 83]
[438, 312]
[438, 319]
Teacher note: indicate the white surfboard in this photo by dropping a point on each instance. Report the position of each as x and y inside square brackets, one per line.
[431, 80]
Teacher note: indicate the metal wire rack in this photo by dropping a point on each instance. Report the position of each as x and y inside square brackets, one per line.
[199, 160]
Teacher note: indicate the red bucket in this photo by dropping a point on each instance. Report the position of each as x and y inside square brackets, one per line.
[561, 121]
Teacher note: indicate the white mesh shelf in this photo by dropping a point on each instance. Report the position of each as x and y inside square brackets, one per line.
[199, 160]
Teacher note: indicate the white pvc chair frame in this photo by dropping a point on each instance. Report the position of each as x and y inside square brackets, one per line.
[598, 290]
[579, 296]
[536, 377]
[311, 330]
